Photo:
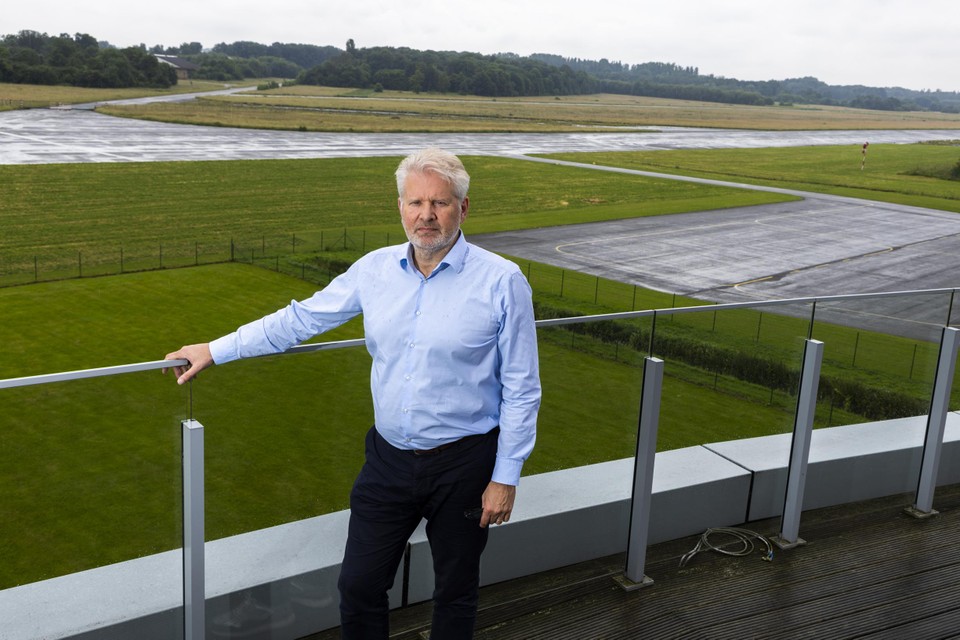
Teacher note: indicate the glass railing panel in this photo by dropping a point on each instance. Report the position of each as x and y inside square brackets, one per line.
[284, 434]
[729, 374]
[284, 437]
[592, 377]
[92, 479]
[880, 361]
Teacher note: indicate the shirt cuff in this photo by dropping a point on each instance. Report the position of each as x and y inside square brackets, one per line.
[507, 471]
[224, 349]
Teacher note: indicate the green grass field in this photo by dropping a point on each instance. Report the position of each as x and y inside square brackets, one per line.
[93, 466]
[98, 460]
[62, 221]
[72, 219]
[914, 174]
[308, 108]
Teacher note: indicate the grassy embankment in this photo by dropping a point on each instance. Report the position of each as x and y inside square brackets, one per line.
[329, 109]
[31, 96]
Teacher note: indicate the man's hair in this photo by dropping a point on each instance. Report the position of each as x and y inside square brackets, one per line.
[443, 163]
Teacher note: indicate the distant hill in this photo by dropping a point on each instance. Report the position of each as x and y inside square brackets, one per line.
[31, 57]
[654, 78]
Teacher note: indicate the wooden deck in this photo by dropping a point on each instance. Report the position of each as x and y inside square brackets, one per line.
[868, 570]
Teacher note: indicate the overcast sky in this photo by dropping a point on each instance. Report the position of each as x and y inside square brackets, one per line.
[908, 43]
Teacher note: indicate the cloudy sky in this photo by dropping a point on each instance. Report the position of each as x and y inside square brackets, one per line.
[908, 43]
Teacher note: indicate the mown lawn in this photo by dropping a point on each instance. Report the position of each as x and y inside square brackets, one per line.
[92, 467]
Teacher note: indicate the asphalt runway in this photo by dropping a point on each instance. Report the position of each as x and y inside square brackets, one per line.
[38, 136]
[821, 246]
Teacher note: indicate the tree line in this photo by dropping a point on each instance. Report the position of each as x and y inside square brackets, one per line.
[35, 58]
[670, 80]
[80, 60]
[404, 69]
[245, 59]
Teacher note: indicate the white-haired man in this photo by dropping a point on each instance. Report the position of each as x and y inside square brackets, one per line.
[456, 391]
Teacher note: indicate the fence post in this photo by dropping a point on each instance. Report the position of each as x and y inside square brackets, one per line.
[194, 592]
[936, 424]
[633, 577]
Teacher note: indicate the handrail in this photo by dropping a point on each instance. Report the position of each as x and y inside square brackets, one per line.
[66, 376]
[81, 374]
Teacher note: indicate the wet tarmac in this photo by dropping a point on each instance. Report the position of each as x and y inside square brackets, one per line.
[819, 246]
[78, 134]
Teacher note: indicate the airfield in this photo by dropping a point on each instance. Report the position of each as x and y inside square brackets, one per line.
[819, 246]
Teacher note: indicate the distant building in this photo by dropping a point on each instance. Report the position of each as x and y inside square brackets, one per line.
[183, 67]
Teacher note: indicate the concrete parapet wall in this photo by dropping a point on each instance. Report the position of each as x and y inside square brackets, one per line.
[287, 574]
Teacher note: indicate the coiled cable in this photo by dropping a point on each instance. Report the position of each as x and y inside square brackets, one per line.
[745, 537]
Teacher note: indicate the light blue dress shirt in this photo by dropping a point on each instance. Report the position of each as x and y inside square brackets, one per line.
[454, 354]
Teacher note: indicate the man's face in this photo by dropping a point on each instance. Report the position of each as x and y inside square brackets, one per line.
[430, 213]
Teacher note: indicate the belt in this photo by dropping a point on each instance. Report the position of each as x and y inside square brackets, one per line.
[435, 450]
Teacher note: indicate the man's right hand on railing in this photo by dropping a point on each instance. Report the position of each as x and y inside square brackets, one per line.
[198, 355]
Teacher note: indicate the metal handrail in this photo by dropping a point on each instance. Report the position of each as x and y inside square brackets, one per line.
[81, 374]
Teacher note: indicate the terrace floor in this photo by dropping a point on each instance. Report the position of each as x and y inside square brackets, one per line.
[867, 570]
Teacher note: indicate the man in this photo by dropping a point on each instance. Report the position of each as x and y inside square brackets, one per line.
[456, 391]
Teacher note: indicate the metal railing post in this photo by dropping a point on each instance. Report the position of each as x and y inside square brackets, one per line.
[800, 448]
[936, 424]
[633, 577]
[193, 532]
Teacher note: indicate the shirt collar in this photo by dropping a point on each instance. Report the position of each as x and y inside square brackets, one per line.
[455, 258]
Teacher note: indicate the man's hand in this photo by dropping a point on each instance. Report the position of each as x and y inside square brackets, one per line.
[199, 357]
[497, 503]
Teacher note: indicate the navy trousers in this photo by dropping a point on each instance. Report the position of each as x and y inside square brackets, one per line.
[393, 492]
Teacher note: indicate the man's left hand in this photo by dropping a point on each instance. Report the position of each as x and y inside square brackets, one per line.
[497, 503]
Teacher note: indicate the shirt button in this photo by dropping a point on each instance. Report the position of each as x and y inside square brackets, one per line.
[412, 345]
[419, 312]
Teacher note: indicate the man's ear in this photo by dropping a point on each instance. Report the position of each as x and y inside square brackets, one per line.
[464, 208]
